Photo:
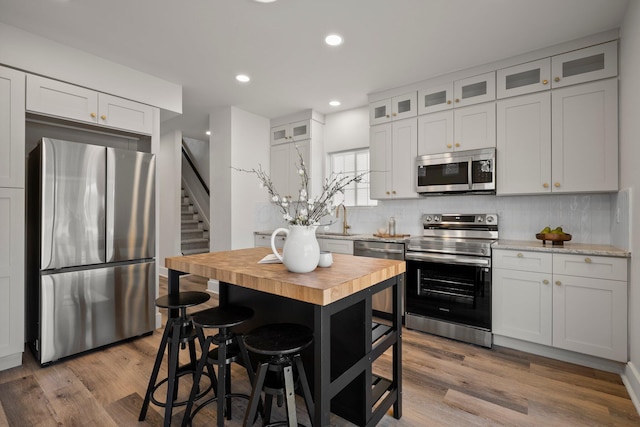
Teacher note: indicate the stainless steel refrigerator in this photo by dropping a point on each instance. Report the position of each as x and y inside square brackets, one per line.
[90, 247]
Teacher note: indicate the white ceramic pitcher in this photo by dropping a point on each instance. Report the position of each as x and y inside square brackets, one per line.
[301, 251]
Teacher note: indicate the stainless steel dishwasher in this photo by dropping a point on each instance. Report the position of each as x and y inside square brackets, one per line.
[382, 301]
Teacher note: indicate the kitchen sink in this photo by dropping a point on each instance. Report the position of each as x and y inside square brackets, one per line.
[333, 233]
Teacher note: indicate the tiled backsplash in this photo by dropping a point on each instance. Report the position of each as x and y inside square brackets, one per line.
[589, 218]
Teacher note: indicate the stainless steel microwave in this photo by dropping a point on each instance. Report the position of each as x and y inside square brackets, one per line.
[457, 172]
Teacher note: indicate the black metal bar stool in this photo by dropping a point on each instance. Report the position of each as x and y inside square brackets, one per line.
[178, 333]
[282, 342]
[230, 348]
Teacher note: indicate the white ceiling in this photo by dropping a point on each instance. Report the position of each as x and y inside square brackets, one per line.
[203, 44]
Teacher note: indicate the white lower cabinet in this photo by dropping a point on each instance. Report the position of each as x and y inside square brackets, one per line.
[567, 301]
[337, 246]
[11, 277]
[264, 240]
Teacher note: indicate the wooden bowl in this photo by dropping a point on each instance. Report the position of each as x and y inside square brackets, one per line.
[556, 239]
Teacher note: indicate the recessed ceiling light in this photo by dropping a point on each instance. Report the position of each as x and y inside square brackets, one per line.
[334, 103]
[264, 1]
[208, 132]
[333, 40]
[243, 78]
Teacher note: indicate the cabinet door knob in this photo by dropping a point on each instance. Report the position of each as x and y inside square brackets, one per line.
[520, 255]
[387, 116]
[448, 101]
[388, 192]
[558, 282]
[556, 184]
[93, 115]
[448, 145]
[393, 192]
[545, 281]
[557, 79]
[587, 260]
[103, 117]
[457, 100]
[457, 144]
[545, 81]
[545, 185]
[394, 114]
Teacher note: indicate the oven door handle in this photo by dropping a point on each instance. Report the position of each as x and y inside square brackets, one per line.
[449, 259]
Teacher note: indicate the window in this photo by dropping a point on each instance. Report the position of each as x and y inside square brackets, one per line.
[351, 163]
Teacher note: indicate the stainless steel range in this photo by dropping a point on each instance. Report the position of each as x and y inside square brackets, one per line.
[448, 286]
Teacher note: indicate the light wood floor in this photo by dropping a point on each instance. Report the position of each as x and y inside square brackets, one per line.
[446, 383]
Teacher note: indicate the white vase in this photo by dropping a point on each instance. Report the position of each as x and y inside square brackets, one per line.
[301, 251]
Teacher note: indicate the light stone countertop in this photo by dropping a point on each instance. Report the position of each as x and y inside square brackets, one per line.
[567, 248]
[367, 237]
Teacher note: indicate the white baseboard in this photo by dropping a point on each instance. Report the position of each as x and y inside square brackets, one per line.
[631, 380]
[561, 354]
[11, 361]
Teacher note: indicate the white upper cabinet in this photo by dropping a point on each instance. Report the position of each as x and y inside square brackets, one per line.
[436, 98]
[474, 90]
[12, 128]
[584, 134]
[393, 151]
[395, 108]
[467, 128]
[583, 65]
[297, 131]
[523, 141]
[58, 99]
[526, 78]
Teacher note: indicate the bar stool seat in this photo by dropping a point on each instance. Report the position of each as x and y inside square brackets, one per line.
[282, 342]
[178, 334]
[230, 348]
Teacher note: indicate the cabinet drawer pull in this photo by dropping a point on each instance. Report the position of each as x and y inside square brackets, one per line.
[544, 82]
[587, 260]
[520, 255]
[558, 282]
[545, 281]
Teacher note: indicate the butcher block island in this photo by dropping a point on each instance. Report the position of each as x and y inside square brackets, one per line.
[336, 303]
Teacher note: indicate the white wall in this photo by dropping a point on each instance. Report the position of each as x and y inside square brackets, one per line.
[346, 130]
[169, 171]
[238, 139]
[629, 176]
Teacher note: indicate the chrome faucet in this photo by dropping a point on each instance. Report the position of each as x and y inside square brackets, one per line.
[345, 226]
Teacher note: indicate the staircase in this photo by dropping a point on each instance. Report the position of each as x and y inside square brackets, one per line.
[195, 239]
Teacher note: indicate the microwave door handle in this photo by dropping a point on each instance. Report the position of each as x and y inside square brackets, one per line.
[470, 173]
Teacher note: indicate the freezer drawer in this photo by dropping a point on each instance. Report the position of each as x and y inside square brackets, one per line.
[86, 309]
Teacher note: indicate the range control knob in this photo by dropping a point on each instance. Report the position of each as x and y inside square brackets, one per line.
[436, 218]
[428, 219]
[480, 219]
[490, 218]
[483, 252]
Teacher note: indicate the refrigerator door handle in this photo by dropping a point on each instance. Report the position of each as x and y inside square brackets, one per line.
[110, 203]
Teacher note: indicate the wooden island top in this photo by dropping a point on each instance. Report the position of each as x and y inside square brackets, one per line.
[346, 276]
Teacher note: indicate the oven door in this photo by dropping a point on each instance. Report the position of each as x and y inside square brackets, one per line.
[450, 288]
